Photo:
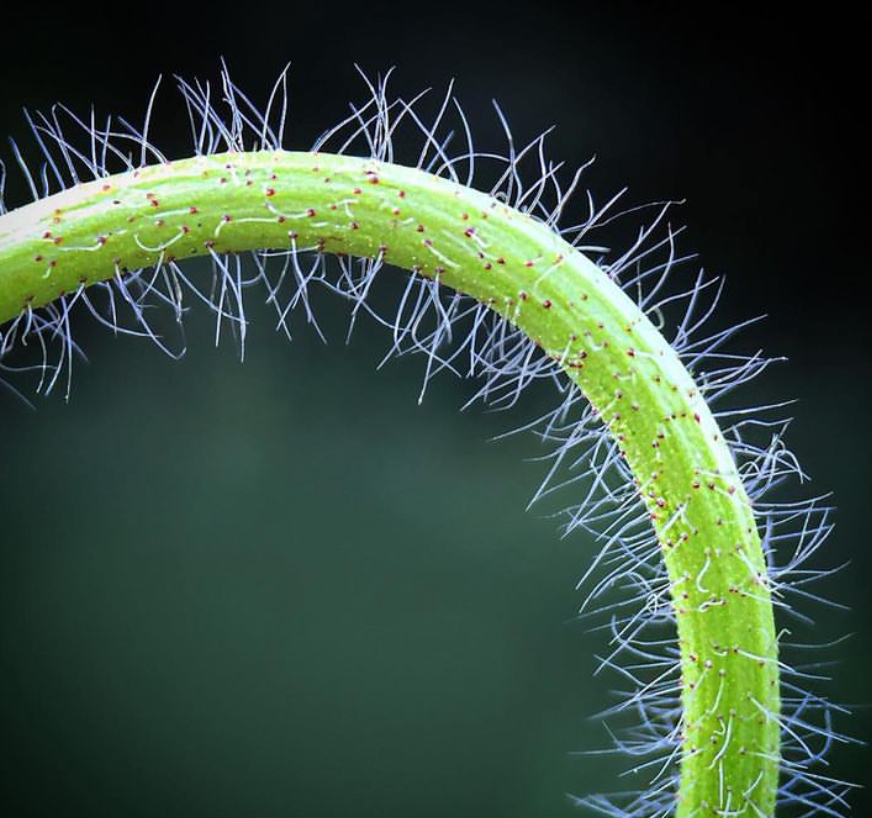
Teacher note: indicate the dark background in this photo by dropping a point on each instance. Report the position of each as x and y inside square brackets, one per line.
[283, 587]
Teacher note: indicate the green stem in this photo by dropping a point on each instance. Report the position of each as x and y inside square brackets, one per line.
[520, 268]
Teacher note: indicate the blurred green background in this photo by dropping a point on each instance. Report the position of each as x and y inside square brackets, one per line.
[283, 587]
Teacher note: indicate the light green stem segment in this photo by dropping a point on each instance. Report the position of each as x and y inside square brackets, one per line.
[525, 272]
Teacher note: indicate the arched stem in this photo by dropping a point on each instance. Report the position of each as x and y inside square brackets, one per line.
[478, 246]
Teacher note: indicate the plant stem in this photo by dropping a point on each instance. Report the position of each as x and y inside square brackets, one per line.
[478, 246]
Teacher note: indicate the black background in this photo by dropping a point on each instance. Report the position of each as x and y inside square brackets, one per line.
[283, 588]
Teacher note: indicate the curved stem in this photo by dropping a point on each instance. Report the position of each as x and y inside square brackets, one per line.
[478, 246]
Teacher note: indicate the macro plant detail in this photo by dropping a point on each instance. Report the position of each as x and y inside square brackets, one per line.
[677, 489]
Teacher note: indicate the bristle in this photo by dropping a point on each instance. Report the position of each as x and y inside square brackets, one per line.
[627, 589]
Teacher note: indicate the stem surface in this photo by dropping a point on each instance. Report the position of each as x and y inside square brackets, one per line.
[473, 243]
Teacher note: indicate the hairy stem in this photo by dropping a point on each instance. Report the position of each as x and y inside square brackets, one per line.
[472, 243]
